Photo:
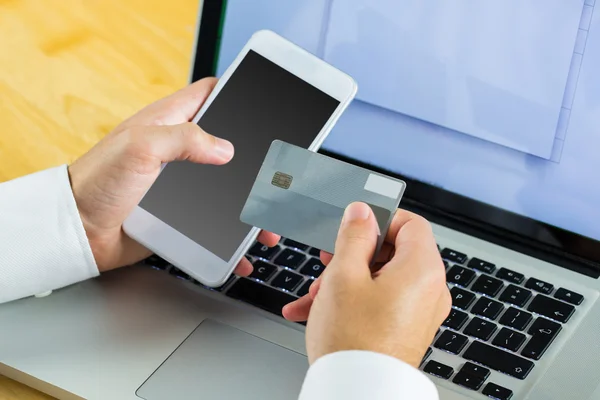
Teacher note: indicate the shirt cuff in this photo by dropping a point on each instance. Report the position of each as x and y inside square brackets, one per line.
[43, 244]
[365, 375]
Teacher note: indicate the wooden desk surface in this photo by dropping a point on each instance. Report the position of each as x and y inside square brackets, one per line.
[70, 70]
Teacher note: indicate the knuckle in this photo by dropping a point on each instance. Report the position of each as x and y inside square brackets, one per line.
[423, 224]
[137, 141]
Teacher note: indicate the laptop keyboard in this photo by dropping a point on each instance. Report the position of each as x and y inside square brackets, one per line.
[500, 320]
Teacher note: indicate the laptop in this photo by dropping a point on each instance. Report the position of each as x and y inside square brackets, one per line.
[491, 118]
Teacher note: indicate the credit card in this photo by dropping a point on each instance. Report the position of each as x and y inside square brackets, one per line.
[302, 195]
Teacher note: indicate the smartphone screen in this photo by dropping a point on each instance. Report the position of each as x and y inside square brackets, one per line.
[259, 103]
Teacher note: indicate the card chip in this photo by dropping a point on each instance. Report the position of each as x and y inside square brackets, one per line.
[281, 180]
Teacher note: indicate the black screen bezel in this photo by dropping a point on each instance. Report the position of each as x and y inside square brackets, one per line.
[526, 235]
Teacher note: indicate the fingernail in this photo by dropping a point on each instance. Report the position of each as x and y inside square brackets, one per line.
[356, 211]
[223, 149]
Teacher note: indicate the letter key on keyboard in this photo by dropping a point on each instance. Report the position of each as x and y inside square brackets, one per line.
[461, 298]
[286, 280]
[262, 270]
[314, 267]
[260, 250]
[305, 287]
[290, 258]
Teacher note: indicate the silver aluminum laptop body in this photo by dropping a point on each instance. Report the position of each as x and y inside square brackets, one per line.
[141, 332]
[104, 338]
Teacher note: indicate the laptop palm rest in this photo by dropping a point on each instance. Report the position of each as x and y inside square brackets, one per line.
[219, 361]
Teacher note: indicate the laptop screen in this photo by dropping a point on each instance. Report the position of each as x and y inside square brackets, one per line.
[498, 102]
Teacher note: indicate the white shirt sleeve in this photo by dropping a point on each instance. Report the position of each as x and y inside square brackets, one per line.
[354, 375]
[43, 245]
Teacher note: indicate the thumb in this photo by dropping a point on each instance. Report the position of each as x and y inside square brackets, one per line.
[356, 241]
[186, 142]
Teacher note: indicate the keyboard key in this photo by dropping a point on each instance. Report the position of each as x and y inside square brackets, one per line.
[461, 298]
[510, 276]
[568, 296]
[314, 252]
[259, 295]
[475, 370]
[427, 354]
[314, 267]
[516, 318]
[543, 333]
[263, 271]
[456, 319]
[487, 285]
[460, 275]
[469, 381]
[516, 295]
[180, 274]
[438, 369]
[487, 308]
[453, 256]
[287, 280]
[509, 339]
[290, 258]
[451, 342]
[266, 252]
[498, 360]
[539, 286]
[446, 264]
[156, 262]
[304, 288]
[293, 243]
[551, 308]
[481, 265]
[480, 329]
[497, 392]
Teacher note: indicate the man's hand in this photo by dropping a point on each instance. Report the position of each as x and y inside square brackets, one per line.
[395, 311]
[111, 179]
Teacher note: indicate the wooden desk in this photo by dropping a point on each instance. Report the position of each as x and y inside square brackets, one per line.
[70, 70]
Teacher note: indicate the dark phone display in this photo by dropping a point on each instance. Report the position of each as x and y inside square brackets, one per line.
[259, 103]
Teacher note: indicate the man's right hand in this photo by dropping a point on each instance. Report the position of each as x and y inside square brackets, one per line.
[395, 311]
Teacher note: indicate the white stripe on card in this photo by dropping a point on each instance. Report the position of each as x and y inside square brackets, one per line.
[383, 186]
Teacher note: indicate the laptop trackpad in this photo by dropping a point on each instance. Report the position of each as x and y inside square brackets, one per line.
[218, 361]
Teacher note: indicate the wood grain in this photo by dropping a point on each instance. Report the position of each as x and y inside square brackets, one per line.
[70, 70]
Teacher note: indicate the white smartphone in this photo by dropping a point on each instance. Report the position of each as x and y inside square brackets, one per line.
[272, 90]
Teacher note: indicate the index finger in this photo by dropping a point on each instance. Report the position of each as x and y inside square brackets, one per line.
[401, 218]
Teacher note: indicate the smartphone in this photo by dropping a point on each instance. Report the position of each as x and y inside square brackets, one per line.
[272, 90]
